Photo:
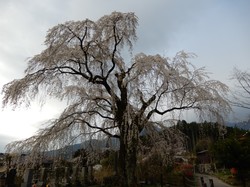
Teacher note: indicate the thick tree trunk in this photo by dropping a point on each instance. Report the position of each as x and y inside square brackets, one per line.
[128, 156]
[129, 138]
[131, 166]
[122, 164]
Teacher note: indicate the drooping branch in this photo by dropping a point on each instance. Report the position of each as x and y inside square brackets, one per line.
[101, 129]
[241, 95]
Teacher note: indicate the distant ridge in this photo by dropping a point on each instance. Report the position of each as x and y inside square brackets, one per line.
[241, 125]
[68, 151]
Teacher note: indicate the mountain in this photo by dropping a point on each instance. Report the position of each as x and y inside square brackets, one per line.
[95, 144]
[241, 125]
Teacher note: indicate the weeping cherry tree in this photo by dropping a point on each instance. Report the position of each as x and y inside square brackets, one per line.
[107, 96]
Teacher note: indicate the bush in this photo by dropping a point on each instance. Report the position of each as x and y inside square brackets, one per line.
[102, 176]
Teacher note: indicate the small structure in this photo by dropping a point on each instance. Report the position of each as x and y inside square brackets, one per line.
[204, 162]
[27, 178]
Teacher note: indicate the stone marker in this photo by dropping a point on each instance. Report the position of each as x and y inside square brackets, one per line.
[27, 177]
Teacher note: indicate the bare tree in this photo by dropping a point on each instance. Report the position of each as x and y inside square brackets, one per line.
[107, 96]
[241, 96]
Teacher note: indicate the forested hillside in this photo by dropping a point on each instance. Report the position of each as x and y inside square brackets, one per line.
[200, 136]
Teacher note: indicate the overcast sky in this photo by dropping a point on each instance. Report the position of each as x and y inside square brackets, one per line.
[217, 31]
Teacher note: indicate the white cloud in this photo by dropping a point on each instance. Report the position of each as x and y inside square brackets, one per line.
[24, 122]
[4, 141]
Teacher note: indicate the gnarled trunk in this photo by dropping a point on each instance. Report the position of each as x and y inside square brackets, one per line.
[128, 156]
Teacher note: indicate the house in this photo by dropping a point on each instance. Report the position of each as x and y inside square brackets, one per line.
[204, 162]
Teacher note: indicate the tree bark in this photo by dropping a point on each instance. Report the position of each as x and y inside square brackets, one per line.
[122, 164]
[131, 165]
[128, 156]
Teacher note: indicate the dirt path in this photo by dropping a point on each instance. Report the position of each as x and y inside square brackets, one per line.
[217, 182]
